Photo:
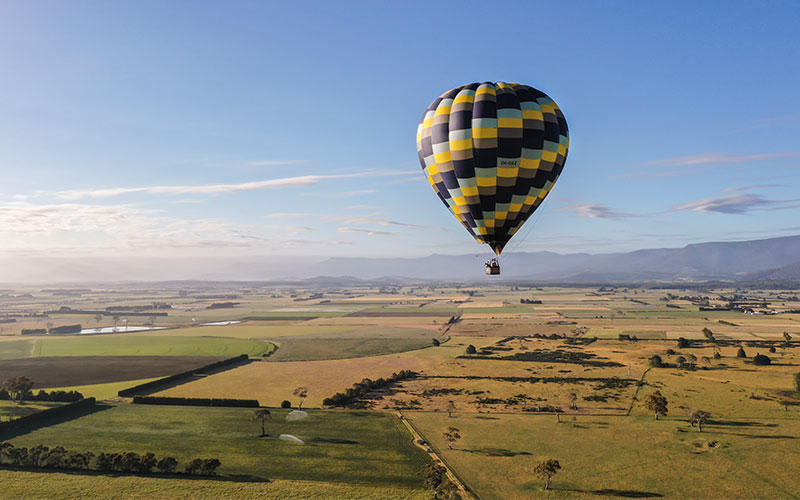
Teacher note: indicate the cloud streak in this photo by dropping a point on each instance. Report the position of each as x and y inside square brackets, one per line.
[736, 204]
[714, 158]
[684, 165]
[370, 232]
[349, 220]
[274, 163]
[595, 211]
[213, 189]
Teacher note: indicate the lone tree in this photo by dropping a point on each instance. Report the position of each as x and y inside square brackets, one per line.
[682, 342]
[451, 406]
[708, 334]
[261, 415]
[698, 418]
[761, 360]
[471, 349]
[740, 353]
[546, 470]
[436, 342]
[573, 400]
[17, 387]
[787, 336]
[451, 436]
[655, 361]
[301, 392]
[657, 404]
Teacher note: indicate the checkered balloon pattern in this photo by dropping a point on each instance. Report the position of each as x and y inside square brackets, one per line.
[492, 152]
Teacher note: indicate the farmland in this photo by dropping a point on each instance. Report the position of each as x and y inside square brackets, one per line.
[552, 372]
[346, 447]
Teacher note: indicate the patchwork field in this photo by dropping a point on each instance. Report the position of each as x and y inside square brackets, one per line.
[551, 372]
[71, 371]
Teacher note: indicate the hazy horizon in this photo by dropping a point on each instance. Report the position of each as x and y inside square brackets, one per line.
[211, 137]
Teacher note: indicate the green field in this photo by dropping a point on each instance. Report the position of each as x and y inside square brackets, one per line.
[11, 411]
[14, 349]
[133, 345]
[341, 446]
[71, 486]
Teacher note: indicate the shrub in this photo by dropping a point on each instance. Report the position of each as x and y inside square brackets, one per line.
[717, 355]
[194, 466]
[656, 361]
[209, 466]
[471, 349]
[772, 349]
[167, 465]
[436, 342]
[761, 360]
[740, 353]
[286, 403]
[683, 343]
[670, 352]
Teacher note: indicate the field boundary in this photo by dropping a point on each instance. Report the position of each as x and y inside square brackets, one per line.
[181, 378]
[463, 486]
[46, 414]
[215, 402]
[636, 392]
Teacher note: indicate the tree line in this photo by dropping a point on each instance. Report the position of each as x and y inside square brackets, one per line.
[42, 457]
[350, 396]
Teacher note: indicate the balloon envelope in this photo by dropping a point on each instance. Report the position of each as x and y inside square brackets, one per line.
[492, 152]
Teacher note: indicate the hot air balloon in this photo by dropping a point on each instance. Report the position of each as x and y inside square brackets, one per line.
[492, 152]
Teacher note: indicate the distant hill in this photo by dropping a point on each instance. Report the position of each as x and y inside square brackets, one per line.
[703, 261]
[773, 259]
[785, 273]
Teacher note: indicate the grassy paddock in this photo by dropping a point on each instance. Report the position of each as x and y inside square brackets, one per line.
[632, 457]
[70, 486]
[11, 411]
[341, 446]
[125, 345]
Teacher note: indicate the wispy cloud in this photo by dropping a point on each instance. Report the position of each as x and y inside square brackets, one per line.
[350, 220]
[714, 158]
[370, 232]
[116, 229]
[273, 163]
[683, 165]
[741, 203]
[362, 207]
[359, 192]
[211, 189]
[595, 211]
[751, 188]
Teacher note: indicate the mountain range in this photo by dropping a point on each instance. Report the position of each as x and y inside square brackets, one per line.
[772, 259]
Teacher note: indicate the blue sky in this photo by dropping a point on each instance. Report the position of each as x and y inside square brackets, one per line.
[288, 128]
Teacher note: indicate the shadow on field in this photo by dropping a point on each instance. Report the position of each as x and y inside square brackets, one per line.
[331, 440]
[762, 436]
[734, 423]
[625, 493]
[236, 478]
[607, 492]
[55, 420]
[497, 452]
